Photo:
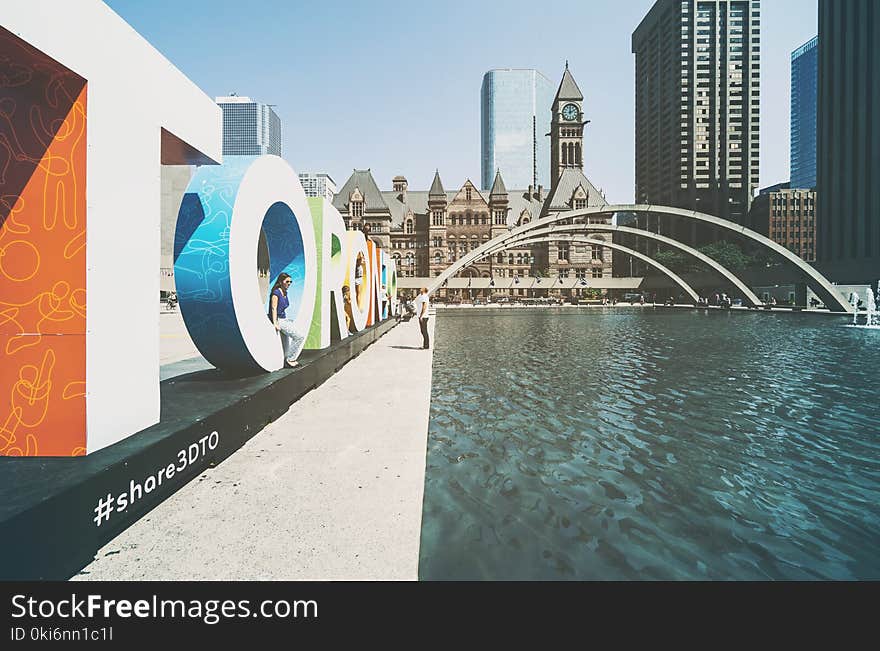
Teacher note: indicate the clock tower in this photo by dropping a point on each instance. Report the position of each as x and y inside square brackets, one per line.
[566, 128]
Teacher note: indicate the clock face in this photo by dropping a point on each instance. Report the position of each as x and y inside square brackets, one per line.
[570, 112]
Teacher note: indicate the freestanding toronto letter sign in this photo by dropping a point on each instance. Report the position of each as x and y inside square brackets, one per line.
[79, 234]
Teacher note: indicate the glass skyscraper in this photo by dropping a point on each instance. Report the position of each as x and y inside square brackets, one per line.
[249, 128]
[515, 118]
[804, 94]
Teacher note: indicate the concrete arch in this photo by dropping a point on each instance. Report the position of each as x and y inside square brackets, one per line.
[821, 285]
[612, 245]
[749, 295]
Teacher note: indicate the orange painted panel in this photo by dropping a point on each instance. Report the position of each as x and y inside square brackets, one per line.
[44, 402]
[371, 251]
[43, 302]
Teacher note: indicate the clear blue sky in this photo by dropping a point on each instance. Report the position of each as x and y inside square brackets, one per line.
[395, 86]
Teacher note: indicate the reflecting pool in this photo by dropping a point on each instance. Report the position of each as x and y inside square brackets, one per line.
[649, 443]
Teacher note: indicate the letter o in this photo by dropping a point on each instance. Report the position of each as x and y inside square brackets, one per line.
[357, 255]
[215, 259]
[392, 285]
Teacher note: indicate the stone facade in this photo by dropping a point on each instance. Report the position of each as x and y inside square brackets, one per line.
[427, 230]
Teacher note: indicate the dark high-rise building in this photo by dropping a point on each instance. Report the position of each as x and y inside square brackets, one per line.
[848, 149]
[804, 103]
[697, 105]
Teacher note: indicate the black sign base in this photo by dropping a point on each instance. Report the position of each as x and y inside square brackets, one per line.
[56, 512]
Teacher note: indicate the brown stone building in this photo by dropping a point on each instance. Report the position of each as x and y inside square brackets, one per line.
[427, 230]
[788, 217]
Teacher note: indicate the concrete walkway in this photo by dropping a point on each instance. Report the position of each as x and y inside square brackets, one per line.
[330, 491]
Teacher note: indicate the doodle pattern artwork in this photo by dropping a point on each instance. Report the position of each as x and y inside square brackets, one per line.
[42, 254]
[215, 245]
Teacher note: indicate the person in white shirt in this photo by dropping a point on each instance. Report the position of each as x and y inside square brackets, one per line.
[383, 299]
[422, 305]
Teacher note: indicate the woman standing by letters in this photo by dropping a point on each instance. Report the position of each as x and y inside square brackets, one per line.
[278, 304]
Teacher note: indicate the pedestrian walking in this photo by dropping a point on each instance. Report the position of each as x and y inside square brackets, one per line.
[422, 305]
[383, 300]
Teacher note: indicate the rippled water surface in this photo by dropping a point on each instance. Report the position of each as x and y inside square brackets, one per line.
[652, 444]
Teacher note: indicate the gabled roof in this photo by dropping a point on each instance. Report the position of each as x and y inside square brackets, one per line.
[364, 181]
[568, 88]
[520, 201]
[571, 178]
[476, 195]
[417, 201]
[437, 187]
[498, 189]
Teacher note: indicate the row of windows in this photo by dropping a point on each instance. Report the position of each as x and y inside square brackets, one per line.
[508, 273]
[469, 220]
[597, 252]
[781, 220]
[571, 153]
[792, 235]
[793, 202]
[581, 274]
[481, 219]
[798, 212]
[519, 258]
[564, 274]
[438, 241]
[398, 244]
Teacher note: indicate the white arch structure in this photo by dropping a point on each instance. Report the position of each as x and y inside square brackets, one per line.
[611, 245]
[749, 295]
[821, 285]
